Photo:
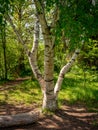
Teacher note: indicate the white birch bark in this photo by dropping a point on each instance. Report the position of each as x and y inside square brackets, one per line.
[49, 101]
[33, 56]
[63, 71]
[50, 93]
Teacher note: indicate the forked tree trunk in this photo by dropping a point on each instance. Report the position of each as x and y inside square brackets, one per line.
[49, 101]
[50, 91]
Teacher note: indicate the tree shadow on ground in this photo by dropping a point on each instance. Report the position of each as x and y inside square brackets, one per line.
[69, 117]
[66, 118]
[10, 109]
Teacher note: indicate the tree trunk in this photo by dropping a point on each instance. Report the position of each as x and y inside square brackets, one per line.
[49, 101]
[50, 93]
[4, 49]
[19, 119]
[21, 65]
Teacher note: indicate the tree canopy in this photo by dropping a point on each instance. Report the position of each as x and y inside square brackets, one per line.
[76, 18]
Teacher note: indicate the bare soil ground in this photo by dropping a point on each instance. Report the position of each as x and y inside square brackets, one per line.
[68, 117]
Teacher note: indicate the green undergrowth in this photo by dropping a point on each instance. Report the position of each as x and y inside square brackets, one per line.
[48, 112]
[78, 87]
[27, 92]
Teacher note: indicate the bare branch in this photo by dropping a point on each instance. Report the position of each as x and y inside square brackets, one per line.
[33, 56]
[41, 16]
[63, 71]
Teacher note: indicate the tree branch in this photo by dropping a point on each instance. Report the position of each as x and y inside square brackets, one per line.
[33, 56]
[41, 16]
[8, 18]
[63, 71]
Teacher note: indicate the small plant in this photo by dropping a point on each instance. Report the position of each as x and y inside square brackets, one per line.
[48, 112]
[95, 123]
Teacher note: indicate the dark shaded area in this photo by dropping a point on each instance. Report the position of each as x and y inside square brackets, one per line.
[69, 117]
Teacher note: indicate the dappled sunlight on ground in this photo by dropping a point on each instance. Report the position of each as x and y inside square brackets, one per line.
[69, 117]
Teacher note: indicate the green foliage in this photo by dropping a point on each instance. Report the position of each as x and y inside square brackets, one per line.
[78, 20]
[27, 92]
[89, 55]
[1, 62]
[60, 57]
[5, 7]
[87, 58]
[80, 86]
[95, 123]
[16, 60]
[48, 112]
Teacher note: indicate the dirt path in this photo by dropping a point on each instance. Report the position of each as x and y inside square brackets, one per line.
[69, 117]
[9, 84]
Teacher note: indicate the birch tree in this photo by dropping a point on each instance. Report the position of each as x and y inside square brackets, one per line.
[52, 24]
[50, 15]
[76, 20]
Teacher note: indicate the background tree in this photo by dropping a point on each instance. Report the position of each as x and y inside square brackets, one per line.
[3, 37]
[15, 51]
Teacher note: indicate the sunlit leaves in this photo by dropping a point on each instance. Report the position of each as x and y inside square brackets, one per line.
[89, 54]
[7, 6]
[78, 20]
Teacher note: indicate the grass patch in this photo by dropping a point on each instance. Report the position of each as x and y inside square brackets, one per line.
[79, 86]
[27, 92]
